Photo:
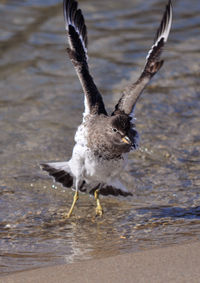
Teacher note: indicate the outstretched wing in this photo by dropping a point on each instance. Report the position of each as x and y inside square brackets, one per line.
[77, 37]
[131, 94]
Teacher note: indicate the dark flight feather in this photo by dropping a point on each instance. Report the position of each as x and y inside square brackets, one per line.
[77, 37]
[130, 95]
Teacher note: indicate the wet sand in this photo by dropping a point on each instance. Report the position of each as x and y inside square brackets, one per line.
[170, 264]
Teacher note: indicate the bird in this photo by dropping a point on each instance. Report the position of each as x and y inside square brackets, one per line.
[102, 141]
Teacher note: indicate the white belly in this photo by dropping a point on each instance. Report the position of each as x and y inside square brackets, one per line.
[86, 166]
[102, 170]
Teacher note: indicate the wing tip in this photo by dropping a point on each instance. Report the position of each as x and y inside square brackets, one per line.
[163, 29]
[73, 17]
[166, 22]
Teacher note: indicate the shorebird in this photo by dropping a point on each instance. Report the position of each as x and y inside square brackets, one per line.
[102, 141]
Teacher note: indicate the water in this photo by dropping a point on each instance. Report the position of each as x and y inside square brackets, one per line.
[41, 105]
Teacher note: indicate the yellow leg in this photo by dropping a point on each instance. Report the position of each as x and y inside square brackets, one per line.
[99, 210]
[76, 197]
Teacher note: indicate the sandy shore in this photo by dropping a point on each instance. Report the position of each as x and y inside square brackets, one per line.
[171, 264]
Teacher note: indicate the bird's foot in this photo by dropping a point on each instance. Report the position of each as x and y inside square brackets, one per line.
[99, 210]
[76, 197]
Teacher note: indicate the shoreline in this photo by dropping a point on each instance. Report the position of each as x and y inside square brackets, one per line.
[177, 263]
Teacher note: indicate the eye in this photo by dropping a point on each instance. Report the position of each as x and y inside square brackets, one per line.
[114, 130]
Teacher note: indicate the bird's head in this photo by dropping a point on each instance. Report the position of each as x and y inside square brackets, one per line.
[113, 135]
[122, 132]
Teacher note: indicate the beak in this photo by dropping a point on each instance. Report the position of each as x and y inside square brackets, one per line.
[126, 140]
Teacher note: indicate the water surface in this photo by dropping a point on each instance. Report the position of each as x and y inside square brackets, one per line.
[41, 104]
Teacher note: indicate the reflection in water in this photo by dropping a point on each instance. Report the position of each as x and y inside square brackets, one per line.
[39, 96]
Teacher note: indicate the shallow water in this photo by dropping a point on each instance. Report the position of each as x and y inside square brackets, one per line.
[41, 105]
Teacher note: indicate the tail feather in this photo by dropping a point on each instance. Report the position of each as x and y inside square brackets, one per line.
[60, 172]
[106, 190]
[110, 190]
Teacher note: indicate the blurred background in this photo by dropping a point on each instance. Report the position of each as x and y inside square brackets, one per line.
[41, 105]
